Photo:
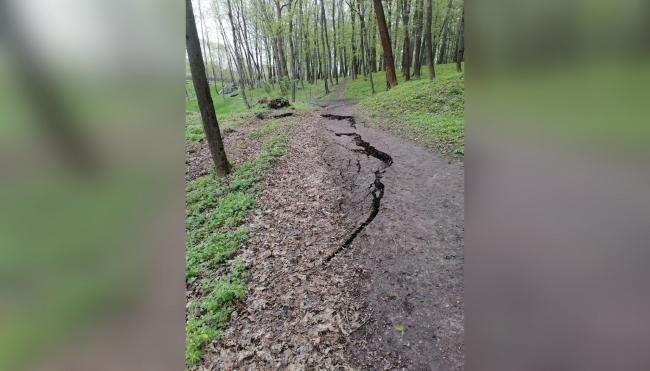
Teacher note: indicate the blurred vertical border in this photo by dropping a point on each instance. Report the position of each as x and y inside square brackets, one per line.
[91, 185]
[557, 185]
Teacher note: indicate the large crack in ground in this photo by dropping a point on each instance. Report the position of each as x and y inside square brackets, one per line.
[376, 187]
[368, 149]
[350, 119]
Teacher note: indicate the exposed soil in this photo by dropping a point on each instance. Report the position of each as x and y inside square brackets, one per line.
[340, 88]
[239, 147]
[411, 253]
[359, 233]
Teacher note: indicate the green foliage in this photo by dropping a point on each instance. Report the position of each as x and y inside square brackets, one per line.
[285, 86]
[428, 112]
[360, 88]
[215, 216]
[263, 130]
[230, 107]
[194, 133]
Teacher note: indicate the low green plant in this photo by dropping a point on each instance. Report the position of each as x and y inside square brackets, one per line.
[194, 133]
[215, 214]
[263, 131]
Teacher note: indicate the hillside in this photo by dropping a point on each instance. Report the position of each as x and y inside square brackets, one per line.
[430, 113]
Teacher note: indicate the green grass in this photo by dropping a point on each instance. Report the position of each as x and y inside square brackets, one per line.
[229, 105]
[263, 130]
[232, 111]
[360, 88]
[428, 112]
[215, 216]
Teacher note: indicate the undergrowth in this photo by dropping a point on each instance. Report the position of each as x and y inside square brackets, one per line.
[215, 216]
[264, 130]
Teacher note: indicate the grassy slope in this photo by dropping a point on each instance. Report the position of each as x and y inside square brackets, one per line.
[428, 112]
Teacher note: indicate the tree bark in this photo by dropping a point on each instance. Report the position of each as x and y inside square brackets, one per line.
[334, 69]
[322, 40]
[353, 48]
[427, 41]
[443, 45]
[202, 89]
[238, 61]
[417, 36]
[406, 53]
[385, 42]
[461, 43]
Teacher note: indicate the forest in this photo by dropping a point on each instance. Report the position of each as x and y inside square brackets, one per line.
[260, 43]
[324, 184]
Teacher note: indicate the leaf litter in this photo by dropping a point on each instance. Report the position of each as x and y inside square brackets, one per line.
[298, 312]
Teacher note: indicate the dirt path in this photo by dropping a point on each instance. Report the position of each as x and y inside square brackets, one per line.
[339, 90]
[358, 234]
[411, 252]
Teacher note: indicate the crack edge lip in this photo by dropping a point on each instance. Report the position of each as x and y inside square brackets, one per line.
[350, 119]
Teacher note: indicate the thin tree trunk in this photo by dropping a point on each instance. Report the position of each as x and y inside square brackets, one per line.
[283, 59]
[238, 61]
[328, 68]
[353, 49]
[202, 89]
[417, 36]
[335, 69]
[427, 41]
[369, 60]
[445, 29]
[406, 54]
[322, 40]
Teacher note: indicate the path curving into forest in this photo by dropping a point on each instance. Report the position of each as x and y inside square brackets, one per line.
[340, 89]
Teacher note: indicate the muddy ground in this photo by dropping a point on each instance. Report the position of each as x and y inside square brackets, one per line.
[356, 261]
[411, 252]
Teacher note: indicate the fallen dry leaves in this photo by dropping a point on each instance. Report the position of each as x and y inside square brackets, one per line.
[298, 312]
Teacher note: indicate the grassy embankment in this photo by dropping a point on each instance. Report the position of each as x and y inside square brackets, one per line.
[428, 112]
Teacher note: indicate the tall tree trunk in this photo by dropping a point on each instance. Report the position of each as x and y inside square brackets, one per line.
[291, 49]
[353, 48]
[369, 60]
[443, 45]
[417, 36]
[202, 89]
[396, 27]
[385, 42]
[283, 59]
[427, 41]
[328, 68]
[274, 41]
[238, 61]
[406, 53]
[322, 40]
[335, 69]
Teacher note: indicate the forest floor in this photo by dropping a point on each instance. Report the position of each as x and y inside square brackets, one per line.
[392, 298]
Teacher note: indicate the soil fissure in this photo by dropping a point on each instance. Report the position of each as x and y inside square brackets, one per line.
[350, 119]
[376, 187]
